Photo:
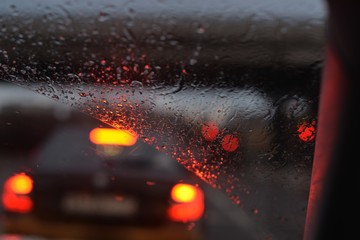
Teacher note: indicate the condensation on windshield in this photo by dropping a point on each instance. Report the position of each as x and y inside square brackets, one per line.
[227, 88]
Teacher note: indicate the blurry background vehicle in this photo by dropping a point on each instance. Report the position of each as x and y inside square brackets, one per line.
[69, 179]
[102, 183]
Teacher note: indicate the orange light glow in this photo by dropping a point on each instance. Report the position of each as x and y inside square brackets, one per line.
[230, 143]
[19, 184]
[183, 193]
[189, 203]
[209, 131]
[110, 136]
[306, 132]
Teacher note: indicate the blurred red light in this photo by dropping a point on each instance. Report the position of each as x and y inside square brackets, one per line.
[209, 131]
[306, 132]
[189, 203]
[230, 143]
[16, 203]
[15, 189]
[19, 184]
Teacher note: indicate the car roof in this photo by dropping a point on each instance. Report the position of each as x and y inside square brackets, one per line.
[69, 149]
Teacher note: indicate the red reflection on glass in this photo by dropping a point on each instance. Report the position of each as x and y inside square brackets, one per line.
[230, 143]
[150, 183]
[209, 131]
[10, 237]
[306, 132]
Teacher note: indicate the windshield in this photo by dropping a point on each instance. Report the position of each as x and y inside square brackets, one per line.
[228, 89]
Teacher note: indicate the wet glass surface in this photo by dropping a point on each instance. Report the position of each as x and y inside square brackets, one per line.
[229, 89]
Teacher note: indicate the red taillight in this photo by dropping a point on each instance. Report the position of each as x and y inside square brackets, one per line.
[230, 143]
[306, 131]
[209, 131]
[14, 194]
[188, 203]
[16, 203]
[19, 184]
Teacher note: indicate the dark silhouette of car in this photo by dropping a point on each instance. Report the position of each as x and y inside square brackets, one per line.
[102, 183]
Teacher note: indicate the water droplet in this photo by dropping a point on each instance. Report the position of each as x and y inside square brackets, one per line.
[283, 30]
[103, 16]
[191, 226]
[136, 84]
[193, 61]
[200, 30]
[150, 183]
[104, 101]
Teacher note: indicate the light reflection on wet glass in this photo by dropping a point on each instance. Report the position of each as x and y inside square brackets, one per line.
[210, 87]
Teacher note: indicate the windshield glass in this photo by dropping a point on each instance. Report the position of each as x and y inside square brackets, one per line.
[229, 89]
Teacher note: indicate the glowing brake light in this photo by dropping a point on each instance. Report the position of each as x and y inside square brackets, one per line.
[19, 184]
[210, 131]
[188, 203]
[306, 132]
[14, 197]
[110, 136]
[230, 143]
[183, 193]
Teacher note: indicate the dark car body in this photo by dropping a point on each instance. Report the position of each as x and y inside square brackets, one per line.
[87, 190]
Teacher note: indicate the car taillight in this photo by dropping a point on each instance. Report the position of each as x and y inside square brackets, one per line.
[187, 203]
[209, 131]
[306, 131]
[183, 193]
[19, 184]
[230, 143]
[15, 194]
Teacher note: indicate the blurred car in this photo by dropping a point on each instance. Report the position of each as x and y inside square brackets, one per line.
[20, 113]
[97, 183]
